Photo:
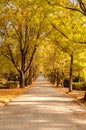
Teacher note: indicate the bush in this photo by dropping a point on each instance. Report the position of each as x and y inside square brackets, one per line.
[78, 79]
[79, 86]
[9, 85]
[13, 76]
[2, 83]
[66, 82]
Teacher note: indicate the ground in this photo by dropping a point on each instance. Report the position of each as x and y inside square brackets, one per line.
[77, 95]
[7, 95]
[43, 107]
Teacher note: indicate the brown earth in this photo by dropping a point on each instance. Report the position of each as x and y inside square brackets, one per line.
[7, 95]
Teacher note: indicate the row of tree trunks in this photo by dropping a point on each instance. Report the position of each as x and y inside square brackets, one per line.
[58, 78]
[54, 77]
[27, 78]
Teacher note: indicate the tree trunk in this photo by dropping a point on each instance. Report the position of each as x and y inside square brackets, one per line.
[54, 77]
[57, 78]
[22, 79]
[71, 72]
[62, 79]
[30, 75]
[85, 96]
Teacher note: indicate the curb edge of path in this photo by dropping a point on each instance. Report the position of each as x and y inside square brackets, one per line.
[70, 96]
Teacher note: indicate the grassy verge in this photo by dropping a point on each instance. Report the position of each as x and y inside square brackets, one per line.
[7, 95]
[78, 95]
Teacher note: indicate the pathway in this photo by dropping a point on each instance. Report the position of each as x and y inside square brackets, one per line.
[42, 108]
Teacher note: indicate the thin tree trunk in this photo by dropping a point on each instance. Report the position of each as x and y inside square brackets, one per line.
[85, 96]
[54, 77]
[30, 75]
[62, 79]
[57, 78]
[22, 79]
[71, 72]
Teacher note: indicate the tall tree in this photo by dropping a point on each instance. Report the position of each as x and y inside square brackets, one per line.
[24, 29]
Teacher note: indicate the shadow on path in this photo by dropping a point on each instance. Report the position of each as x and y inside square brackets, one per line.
[42, 108]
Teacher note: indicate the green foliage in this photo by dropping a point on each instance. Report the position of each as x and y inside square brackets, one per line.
[42, 34]
[13, 76]
[79, 86]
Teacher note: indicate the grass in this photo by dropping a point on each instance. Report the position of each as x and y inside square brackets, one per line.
[9, 94]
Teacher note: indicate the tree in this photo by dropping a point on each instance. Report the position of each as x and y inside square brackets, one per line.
[82, 5]
[82, 10]
[24, 29]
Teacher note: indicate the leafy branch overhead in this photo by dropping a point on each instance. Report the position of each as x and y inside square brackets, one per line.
[42, 35]
[82, 5]
[82, 9]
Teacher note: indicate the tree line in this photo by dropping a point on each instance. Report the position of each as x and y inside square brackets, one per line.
[27, 27]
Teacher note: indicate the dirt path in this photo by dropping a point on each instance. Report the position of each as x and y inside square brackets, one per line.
[42, 108]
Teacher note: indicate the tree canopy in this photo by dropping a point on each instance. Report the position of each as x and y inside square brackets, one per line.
[46, 36]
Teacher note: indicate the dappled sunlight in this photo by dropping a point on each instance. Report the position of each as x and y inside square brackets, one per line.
[46, 99]
[41, 108]
[27, 99]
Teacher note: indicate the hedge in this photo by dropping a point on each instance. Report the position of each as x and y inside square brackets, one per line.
[79, 85]
[9, 84]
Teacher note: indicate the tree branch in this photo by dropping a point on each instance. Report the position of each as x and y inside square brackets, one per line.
[34, 50]
[60, 31]
[5, 55]
[82, 6]
[84, 42]
[11, 58]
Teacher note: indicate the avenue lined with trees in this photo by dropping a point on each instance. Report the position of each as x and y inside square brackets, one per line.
[43, 37]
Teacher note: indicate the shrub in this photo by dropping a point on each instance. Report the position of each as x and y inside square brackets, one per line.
[13, 76]
[9, 85]
[66, 82]
[79, 86]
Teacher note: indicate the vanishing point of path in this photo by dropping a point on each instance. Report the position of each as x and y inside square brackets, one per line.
[42, 108]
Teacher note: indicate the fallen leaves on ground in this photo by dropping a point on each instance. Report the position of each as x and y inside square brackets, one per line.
[78, 95]
[7, 95]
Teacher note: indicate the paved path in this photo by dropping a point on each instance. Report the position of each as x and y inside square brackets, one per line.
[42, 108]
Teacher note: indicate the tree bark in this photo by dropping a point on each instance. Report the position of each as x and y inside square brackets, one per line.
[85, 96]
[53, 77]
[57, 78]
[22, 79]
[62, 79]
[30, 75]
[71, 72]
